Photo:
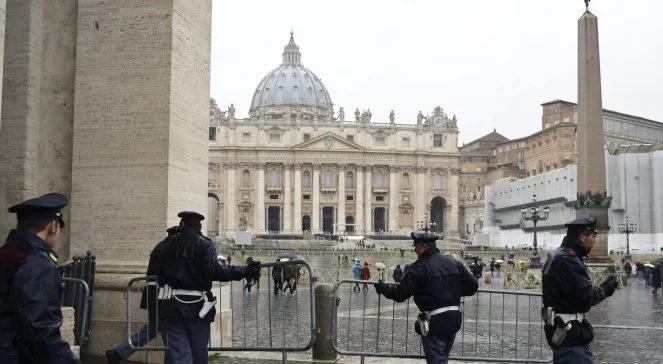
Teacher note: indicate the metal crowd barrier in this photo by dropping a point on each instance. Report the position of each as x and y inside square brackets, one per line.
[259, 321]
[497, 326]
[78, 280]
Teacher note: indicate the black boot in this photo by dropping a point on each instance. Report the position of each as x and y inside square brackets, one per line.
[112, 357]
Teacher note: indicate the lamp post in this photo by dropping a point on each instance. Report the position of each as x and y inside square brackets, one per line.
[627, 228]
[535, 214]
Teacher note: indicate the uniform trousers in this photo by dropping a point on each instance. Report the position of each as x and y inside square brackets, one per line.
[579, 354]
[139, 339]
[437, 347]
[186, 340]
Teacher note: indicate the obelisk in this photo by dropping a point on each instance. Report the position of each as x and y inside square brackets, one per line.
[592, 196]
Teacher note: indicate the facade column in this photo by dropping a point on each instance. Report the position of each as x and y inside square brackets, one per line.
[451, 219]
[393, 200]
[420, 195]
[359, 201]
[231, 197]
[260, 199]
[315, 208]
[287, 199]
[368, 209]
[340, 211]
[297, 220]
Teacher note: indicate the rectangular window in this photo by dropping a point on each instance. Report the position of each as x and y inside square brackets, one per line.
[405, 141]
[246, 136]
[212, 133]
[307, 137]
[349, 198]
[350, 137]
[273, 197]
[274, 138]
[379, 198]
[380, 140]
[307, 197]
[438, 140]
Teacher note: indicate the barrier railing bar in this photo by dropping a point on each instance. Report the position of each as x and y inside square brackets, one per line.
[490, 305]
[407, 322]
[393, 322]
[377, 337]
[80, 317]
[476, 326]
[269, 303]
[503, 323]
[462, 327]
[347, 343]
[516, 334]
[529, 311]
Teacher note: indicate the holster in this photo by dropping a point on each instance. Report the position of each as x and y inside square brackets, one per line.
[208, 303]
[422, 325]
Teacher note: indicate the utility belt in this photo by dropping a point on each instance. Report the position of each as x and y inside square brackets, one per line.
[206, 297]
[422, 325]
[561, 323]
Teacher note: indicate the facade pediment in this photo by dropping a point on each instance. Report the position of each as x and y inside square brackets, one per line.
[329, 141]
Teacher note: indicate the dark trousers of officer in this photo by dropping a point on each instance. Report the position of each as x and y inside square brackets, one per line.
[186, 340]
[437, 347]
[579, 354]
[139, 339]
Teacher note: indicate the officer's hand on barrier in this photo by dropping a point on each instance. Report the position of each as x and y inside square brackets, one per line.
[609, 286]
[253, 269]
[379, 287]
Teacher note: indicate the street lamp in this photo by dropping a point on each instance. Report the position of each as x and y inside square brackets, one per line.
[535, 214]
[627, 228]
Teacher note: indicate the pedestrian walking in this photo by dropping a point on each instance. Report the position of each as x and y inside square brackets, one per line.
[398, 273]
[627, 268]
[148, 332]
[277, 277]
[30, 286]
[492, 267]
[498, 267]
[655, 278]
[437, 283]
[568, 293]
[356, 273]
[365, 275]
[290, 277]
[186, 265]
[250, 281]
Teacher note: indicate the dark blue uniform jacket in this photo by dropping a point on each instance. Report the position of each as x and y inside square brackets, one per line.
[30, 293]
[188, 260]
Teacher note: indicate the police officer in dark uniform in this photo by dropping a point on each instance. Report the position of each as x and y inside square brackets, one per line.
[437, 282]
[186, 265]
[30, 285]
[568, 293]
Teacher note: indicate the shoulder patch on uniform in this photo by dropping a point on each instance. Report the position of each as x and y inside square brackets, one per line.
[53, 257]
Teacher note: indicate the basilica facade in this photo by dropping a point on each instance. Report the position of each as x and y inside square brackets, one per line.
[294, 166]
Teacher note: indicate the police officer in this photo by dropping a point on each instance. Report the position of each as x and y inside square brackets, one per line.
[30, 286]
[186, 265]
[568, 293]
[437, 282]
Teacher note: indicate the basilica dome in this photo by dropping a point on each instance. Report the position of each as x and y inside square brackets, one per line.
[291, 84]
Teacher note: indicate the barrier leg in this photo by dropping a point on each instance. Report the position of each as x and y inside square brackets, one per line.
[324, 299]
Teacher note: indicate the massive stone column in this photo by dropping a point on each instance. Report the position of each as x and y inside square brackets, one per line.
[140, 151]
[420, 195]
[3, 12]
[37, 104]
[359, 201]
[393, 200]
[315, 203]
[297, 220]
[231, 197]
[340, 212]
[287, 200]
[451, 220]
[589, 138]
[260, 200]
[368, 201]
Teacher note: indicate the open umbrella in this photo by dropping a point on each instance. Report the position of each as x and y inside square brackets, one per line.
[499, 261]
[288, 255]
[649, 265]
[379, 265]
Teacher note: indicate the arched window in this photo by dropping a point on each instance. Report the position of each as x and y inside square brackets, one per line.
[306, 179]
[246, 178]
[211, 175]
[350, 179]
[438, 180]
[327, 178]
[406, 180]
[274, 177]
[378, 179]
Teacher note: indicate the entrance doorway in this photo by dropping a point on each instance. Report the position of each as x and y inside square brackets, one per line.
[349, 225]
[274, 218]
[306, 223]
[328, 220]
[437, 213]
[379, 217]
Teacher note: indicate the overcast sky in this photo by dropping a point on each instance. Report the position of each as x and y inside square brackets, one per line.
[490, 62]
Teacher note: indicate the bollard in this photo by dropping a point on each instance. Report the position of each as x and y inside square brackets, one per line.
[324, 299]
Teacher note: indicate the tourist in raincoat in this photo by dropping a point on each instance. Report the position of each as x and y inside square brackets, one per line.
[356, 273]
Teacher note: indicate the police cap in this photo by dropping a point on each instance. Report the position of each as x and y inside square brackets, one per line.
[423, 238]
[191, 215]
[46, 206]
[582, 224]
